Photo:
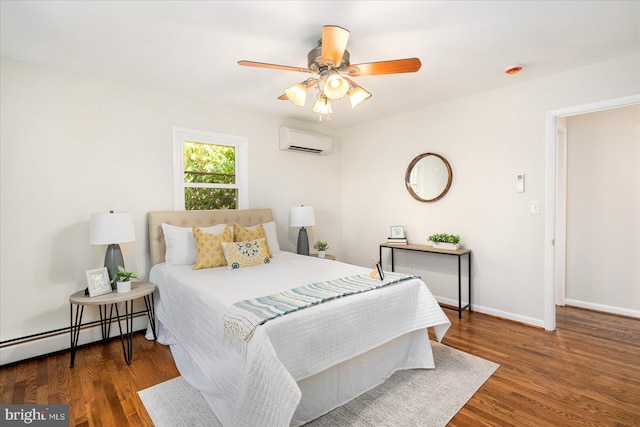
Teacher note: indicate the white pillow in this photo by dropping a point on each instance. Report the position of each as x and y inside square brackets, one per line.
[272, 235]
[181, 246]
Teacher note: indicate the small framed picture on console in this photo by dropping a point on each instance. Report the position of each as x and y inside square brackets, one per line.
[397, 232]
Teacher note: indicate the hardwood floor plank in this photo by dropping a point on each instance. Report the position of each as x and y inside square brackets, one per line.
[587, 373]
[580, 376]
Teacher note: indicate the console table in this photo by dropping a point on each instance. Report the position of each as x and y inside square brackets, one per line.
[430, 249]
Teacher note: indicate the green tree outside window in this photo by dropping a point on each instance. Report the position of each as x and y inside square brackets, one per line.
[209, 176]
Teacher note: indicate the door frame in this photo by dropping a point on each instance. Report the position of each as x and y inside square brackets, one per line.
[560, 238]
[550, 193]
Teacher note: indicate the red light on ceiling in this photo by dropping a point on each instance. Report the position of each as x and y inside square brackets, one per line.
[513, 69]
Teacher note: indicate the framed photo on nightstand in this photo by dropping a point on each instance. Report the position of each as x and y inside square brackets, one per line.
[397, 232]
[98, 282]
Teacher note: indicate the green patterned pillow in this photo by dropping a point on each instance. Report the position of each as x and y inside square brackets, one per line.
[246, 254]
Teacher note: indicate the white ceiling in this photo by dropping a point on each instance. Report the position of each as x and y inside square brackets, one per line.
[192, 47]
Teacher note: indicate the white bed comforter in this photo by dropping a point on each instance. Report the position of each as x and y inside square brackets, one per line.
[258, 387]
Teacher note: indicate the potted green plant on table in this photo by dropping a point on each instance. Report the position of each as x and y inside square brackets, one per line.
[445, 241]
[123, 279]
[321, 247]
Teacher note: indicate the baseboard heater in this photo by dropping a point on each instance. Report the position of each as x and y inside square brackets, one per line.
[56, 332]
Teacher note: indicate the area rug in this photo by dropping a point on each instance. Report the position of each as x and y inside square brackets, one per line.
[418, 397]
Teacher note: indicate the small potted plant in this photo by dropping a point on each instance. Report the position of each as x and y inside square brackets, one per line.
[321, 247]
[445, 241]
[123, 279]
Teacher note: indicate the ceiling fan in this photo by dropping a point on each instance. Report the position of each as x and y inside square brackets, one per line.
[330, 61]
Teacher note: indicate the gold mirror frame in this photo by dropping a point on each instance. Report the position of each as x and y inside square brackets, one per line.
[407, 177]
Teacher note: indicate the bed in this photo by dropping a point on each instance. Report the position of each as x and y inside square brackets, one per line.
[295, 367]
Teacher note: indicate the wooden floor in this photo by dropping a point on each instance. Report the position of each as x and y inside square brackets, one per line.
[587, 373]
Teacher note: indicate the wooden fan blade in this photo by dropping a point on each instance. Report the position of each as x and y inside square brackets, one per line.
[273, 66]
[334, 42]
[397, 66]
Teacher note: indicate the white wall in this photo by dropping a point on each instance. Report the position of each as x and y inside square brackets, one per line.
[73, 145]
[603, 209]
[488, 138]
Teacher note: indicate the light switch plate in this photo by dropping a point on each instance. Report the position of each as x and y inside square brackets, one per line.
[534, 206]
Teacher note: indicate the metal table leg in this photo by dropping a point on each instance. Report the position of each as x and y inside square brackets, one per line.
[105, 322]
[148, 302]
[393, 267]
[127, 348]
[75, 330]
[459, 290]
[469, 254]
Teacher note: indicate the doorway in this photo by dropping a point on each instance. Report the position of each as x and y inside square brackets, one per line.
[551, 201]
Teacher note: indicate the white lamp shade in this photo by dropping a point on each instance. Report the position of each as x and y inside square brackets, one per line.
[357, 96]
[108, 228]
[297, 94]
[302, 216]
[336, 87]
[322, 105]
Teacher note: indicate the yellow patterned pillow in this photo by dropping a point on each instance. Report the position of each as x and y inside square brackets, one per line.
[246, 254]
[241, 234]
[209, 251]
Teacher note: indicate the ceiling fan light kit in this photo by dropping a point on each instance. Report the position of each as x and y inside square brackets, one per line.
[331, 61]
[336, 87]
[322, 105]
[297, 94]
[357, 96]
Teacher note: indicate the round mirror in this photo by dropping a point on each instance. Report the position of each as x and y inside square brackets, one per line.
[428, 177]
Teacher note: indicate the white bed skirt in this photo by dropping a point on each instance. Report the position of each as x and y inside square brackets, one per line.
[328, 389]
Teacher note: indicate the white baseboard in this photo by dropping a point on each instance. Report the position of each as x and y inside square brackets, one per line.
[497, 313]
[604, 308]
[449, 301]
[60, 342]
[46, 345]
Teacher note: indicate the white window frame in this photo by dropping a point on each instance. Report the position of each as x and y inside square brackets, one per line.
[241, 143]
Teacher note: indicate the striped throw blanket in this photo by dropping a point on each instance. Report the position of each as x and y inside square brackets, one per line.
[242, 318]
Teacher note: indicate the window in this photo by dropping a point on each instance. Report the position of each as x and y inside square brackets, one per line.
[210, 170]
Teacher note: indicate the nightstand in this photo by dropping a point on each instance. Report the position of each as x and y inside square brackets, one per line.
[108, 302]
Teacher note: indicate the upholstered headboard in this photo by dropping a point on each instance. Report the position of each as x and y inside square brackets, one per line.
[244, 217]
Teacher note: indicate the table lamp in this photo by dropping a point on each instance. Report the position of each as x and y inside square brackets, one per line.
[111, 229]
[302, 216]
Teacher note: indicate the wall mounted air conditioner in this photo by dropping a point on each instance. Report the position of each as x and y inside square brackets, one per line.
[306, 142]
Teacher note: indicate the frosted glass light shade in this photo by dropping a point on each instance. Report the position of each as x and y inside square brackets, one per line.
[357, 96]
[108, 228]
[336, 87]
[322, 105]
[302, 216]
[297, 94]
